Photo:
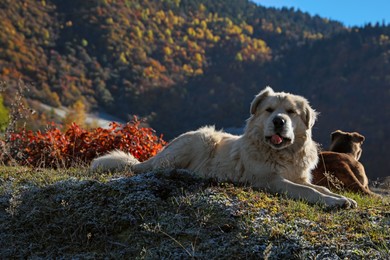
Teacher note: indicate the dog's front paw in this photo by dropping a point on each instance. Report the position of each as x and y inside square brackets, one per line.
[342, 202]
[353, 203]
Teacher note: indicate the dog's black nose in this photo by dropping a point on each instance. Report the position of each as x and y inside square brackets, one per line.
[279, 122]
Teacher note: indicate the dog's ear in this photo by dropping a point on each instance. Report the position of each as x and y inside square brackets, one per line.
[335, 134]
[358, 138]
[310, 115]
[260, 97]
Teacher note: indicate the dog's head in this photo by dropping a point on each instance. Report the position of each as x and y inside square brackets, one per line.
[347, 142]
[282, 118]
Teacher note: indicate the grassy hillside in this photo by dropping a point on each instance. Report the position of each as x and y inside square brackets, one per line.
[186, 63]
[174, 214]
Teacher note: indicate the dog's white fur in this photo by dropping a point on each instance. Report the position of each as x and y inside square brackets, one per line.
[254, 157]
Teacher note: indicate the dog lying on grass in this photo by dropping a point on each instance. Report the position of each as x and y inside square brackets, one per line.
[276, 152]
[339, 168]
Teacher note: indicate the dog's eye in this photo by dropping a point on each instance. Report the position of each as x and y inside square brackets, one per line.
[270, 110]
[291, 111]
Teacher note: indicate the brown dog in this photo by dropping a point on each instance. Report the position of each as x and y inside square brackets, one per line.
[339, 168]
[345, 142]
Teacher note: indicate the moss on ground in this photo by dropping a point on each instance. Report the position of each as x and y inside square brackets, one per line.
[174, 214]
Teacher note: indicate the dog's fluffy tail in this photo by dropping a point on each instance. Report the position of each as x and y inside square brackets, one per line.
[113, 161]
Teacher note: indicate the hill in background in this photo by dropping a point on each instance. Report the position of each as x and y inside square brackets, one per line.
[186, 63]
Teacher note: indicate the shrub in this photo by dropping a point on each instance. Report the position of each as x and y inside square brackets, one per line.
[53, 148]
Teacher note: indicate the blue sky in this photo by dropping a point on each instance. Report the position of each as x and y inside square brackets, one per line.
[349, 12]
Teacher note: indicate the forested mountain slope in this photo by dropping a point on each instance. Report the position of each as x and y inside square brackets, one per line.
[185, 63]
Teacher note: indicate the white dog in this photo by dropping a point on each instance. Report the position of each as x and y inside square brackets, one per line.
[276, 152]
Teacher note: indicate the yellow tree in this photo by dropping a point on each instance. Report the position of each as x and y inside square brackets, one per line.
[76, 114]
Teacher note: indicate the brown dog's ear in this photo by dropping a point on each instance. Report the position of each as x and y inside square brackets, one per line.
[260, 97]
[335, 134]
[356, 137]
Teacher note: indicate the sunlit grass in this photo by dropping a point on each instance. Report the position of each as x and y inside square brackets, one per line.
[19, 177]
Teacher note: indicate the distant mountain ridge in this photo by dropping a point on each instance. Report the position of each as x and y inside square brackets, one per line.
[186, 63]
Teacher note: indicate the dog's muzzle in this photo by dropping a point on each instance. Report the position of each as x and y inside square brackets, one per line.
[277, 140]
[279, 123]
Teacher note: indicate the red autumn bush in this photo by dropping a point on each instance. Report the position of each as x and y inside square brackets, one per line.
[53, 148]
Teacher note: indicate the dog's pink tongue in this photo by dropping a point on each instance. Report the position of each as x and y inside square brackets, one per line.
[276, 139]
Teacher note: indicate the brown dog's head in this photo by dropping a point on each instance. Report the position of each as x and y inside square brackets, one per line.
[347, 142]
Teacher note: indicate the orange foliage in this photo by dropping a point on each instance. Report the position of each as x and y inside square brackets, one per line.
[53, 148]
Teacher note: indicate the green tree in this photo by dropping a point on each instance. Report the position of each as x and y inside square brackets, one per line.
[4, 115]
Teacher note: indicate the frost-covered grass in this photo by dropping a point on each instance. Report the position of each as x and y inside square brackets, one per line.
[175, 214]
